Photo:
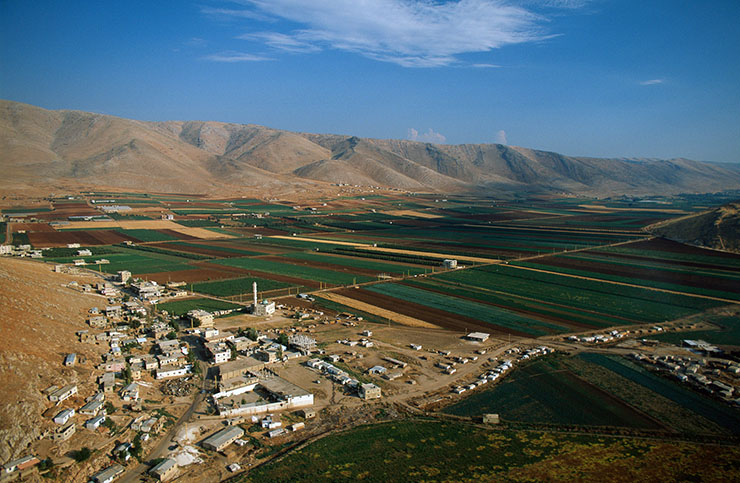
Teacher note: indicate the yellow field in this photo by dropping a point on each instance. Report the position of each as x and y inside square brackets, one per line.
[371, 309]
[430, 254]
[147, 225]
[417, 214]
[365, 246]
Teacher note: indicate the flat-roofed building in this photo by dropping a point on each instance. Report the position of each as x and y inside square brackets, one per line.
[165, 470]
[370, 391]
[478, 336]
[108, 474]
[223, 438]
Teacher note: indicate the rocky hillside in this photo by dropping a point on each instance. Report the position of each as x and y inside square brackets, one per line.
[717, 228]
[63, 148]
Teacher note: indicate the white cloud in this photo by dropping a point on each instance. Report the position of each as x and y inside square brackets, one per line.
[232, 57]
[428, 137]
[411, 33]
[485, 66]
[281, 41]
[652, 82]
[501, 137]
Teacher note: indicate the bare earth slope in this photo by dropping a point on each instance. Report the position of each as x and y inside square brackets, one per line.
[38, 322]
[717, 228]
[44, 148]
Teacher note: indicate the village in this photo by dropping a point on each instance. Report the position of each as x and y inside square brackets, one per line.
[171, 395]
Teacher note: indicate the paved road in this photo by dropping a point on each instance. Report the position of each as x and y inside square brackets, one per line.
[134, 474]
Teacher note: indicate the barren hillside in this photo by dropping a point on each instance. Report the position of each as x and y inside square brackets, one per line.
[59, 149]
[38, 321]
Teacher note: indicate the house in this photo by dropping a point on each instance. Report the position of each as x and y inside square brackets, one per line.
[449, 263]
[302, 342]
[124, 276]
[95, 423]
[307, 413]
[478, 336]
[168, 372]
[64, 416]
[70, 360]
[98, 321]
[64, 433]
[64, 393]
[130, 392]
[243, 343]
[377, 370]
[369, 391]
[223, 438]
[218, 351]
[201, 318]
[92, 408]
[20, 464]
[108, 474]
[164, 470]
[113, 311]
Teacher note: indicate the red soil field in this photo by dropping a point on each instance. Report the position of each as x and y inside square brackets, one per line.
[177, 234]
[85, 238]
[31, 227]
[326, 266]
[665, 245]
[638, 273]
[441, 318]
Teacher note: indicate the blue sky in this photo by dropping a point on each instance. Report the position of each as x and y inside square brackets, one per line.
[658, 78]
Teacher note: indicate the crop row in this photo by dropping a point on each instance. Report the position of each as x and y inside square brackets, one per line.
[291, 270]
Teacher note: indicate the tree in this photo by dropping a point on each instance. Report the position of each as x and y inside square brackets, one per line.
[109, 408]
[283, 339]
[252, 333]
[81, 454]
[172, 335]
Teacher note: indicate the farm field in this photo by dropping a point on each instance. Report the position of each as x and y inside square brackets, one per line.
[430, 450]
[133, 261]
[296, 271]
[182, 307]
[236, 286]
[597, 390]
[728, 332]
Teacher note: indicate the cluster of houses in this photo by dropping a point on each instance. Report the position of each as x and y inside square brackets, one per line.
[611, 336]
[504, 366]
[698, 372]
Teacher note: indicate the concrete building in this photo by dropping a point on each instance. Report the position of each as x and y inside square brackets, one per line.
[92, 408]
[65, 432]
[165, 470]
[64, 416]
[94, 423]
[64, 393]
[478, 336]
[239, 367]
[124, 276]
[201, 318]
[130, 392]
[370, 391]
[223, 438]
[449, 263]
[168, 372]
[70, 360]
[303, 343]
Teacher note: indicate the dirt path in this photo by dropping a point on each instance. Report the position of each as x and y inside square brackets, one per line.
[371, 309]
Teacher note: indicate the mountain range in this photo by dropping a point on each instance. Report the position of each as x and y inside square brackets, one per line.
[47, 149]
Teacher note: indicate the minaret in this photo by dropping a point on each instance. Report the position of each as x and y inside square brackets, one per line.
[254, 289]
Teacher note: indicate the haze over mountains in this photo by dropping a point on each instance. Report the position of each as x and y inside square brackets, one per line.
[42, 148]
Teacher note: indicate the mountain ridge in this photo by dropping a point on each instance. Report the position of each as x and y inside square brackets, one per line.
[39, 147]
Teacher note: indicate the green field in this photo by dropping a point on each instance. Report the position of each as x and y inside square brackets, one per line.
[434, 451]
[542, 392]
[134, 262]
[727, 334]
[629, 304]
[485, 313]
[364, 264]
[182, 307]
[298, 271]
[236, 286]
